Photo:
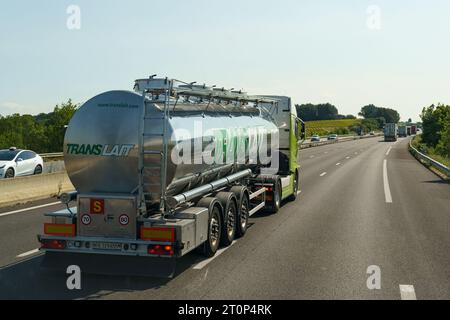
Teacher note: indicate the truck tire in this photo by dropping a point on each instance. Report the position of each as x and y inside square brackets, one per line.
[293, 196]
[276, 204]
[211, 245]
[241, 194]
[229, 203]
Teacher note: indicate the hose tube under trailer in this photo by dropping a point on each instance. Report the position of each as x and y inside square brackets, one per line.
[177, 200]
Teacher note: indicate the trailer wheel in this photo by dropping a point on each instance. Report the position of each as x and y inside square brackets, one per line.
[241, 227]
[243, 207]
[228, 201]
[211, 245]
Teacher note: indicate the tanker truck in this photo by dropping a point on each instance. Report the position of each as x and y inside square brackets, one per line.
[168, 168]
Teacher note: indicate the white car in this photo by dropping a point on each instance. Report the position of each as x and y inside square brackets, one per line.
[16, 162]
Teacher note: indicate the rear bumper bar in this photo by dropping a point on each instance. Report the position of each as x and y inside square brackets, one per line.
[108, 247]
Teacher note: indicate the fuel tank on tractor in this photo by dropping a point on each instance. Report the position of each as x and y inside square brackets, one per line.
[102, 143]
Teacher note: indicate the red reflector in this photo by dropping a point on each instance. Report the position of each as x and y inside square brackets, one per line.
[158, 234]
[160, 250]
[53, 244]
[269, 189]
[65, 230]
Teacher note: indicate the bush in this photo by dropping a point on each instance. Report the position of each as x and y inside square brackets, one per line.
[41, 133]
[436, 128]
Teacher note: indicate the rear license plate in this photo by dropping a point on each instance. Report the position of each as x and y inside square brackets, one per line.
[106, 246]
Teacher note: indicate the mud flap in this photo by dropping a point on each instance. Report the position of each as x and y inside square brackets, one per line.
[111, 264]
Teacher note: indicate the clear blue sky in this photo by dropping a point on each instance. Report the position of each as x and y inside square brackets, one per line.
[315, 51]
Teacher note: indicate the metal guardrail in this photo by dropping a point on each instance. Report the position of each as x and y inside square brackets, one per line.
[423, 157]
[306, 145]
[51, 155]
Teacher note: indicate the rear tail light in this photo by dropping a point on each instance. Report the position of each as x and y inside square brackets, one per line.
[160, 250]
[158, 234]
[53, 244]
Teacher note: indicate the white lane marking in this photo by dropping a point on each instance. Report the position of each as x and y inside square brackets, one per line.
[338, 164]
[28, 253]
[311, 156]
[298, 192]
[347, 158]
[389, 150]
[326, 152]
[322, 174]
[387, 189]
[28, 209]
[204, 263]
[407, 292]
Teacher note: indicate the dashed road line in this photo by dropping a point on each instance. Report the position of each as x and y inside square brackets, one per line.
[322, 174]
[28, 209]
[389, 150]
[387, 189]
[204, 263]
[338, 164]
[28, 253]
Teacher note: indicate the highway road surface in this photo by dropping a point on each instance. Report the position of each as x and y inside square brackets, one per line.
[364, 205]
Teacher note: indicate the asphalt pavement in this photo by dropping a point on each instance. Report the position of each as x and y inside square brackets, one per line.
[364, 205]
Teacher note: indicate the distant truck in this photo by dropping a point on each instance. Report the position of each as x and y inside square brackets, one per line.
[408, 130]
[402, 132]
[390, 132]
[413, 129]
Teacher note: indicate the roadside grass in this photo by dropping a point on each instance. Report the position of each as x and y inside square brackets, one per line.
[326, 127]
[419, 145]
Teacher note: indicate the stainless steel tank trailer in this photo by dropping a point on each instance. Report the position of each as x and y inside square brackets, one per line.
[168, 168]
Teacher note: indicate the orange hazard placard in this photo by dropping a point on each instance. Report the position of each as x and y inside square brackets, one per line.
[97, 206]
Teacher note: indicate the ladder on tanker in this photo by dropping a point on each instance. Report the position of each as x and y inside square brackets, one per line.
[152, 161]
[171, 91]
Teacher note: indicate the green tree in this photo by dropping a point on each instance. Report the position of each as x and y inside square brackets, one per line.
[314, 112]
[371, 112]
[41, 133]
[55, 125]
[431, 125]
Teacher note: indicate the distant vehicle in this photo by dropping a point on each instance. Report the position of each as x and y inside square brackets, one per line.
[16, 162]
[413, 129]
[315, 138]
[372, 133]
[402, 132]
[408, 130]
[333, 137]
[390, 132]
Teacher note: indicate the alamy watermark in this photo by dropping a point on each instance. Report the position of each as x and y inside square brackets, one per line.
[218, 146]
[374, 279]
[373, 21]
[73, 21]
[74, 280]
